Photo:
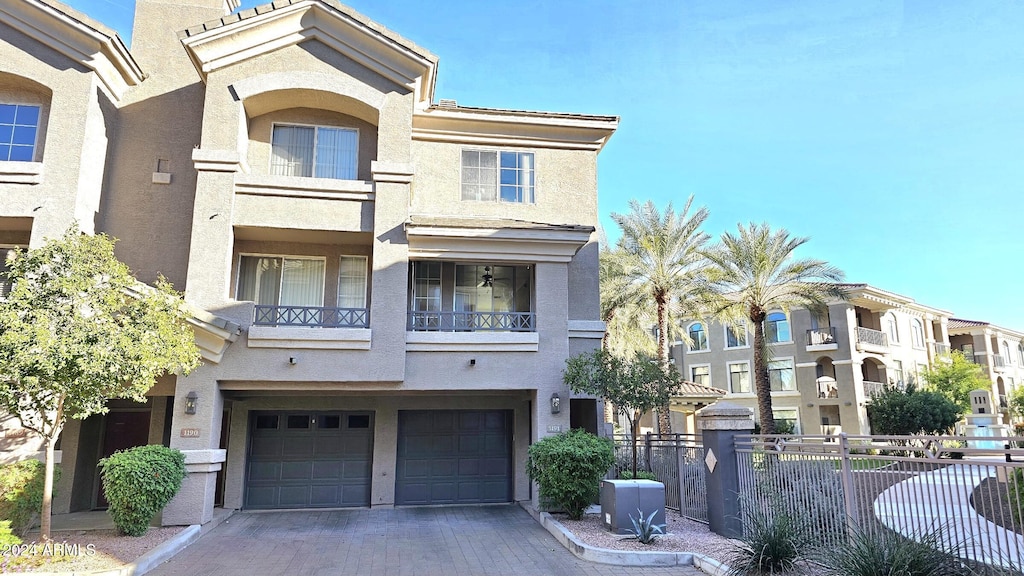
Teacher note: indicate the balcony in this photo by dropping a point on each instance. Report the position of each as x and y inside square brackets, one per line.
[472, 321]
[311, 317]
[869, 340]
[822, 339]
[940, 348]
[872, 389]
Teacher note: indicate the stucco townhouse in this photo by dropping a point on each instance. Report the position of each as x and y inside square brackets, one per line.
[825, 367]
[384, 286]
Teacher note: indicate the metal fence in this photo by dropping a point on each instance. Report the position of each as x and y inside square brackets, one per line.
[963, 495]
[677, 461]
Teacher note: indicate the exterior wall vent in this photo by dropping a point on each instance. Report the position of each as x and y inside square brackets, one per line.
[447, 103]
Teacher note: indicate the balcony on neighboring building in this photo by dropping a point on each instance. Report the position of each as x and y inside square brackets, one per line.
[998, 362]
[819, 339]
[869, 340]
[872, 389]
[940, 348]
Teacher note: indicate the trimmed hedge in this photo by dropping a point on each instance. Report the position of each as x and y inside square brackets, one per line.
[139, 482]
[21, 493]
[569, 468]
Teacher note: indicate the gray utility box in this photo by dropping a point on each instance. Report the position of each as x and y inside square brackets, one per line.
[621, 498]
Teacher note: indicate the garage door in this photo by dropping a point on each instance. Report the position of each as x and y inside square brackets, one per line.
[454, 457]
[309, 459]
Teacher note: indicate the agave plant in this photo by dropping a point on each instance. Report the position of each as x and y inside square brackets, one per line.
[644, 528]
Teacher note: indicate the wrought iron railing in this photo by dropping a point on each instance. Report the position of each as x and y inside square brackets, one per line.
[311, 316]
[940, 348]
[677, 460]
[472, 321]
[869, 336]
[819, 336]
[873, 388]
[998, 361]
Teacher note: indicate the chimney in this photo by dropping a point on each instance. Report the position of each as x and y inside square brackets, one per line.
[155, 42]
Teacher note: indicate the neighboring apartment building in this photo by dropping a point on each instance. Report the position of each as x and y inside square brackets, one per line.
[825, 368]
[384, 289]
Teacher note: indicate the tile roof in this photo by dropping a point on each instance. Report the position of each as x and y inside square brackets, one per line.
[694, 389]
[961, 323]
[513, 112]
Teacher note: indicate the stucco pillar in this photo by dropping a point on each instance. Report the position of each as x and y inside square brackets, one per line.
[198, 437]
[209, 267]
[721, 423]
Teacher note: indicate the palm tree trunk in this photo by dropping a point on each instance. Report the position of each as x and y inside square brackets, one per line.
[761, 381]
[664, 412]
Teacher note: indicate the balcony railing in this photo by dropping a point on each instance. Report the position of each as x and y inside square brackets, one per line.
[310, 316]
[819, 336]
[940, 348]
[998, 361]
[874, 337]
[873, 388]
[472, 321]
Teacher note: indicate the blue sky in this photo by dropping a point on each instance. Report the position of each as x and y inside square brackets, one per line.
[891, 133]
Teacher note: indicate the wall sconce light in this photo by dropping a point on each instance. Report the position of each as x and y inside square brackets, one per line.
[556, 403]
[190, 402]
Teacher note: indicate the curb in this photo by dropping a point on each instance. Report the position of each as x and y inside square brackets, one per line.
[624, 558]
[163, 552]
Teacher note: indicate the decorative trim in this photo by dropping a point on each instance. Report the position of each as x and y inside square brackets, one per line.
[216, 160]
[472, 342]
[512, 128]
[309, 338]
[845, 362]
[299, 187]
[587, 329]
[494, 244]
[21, 172]
[808, 364]
[397, 172]
[822, 347]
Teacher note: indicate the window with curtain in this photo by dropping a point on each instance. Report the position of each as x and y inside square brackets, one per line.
[700, 375]
[314, 151]
[739, 378]
[735, 335]
[352, 282]
[698, 337]
[19, 127]
[485, 173]
[776, 328]
[780, 375]
[281, 280]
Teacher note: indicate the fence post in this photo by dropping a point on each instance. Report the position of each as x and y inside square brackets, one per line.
[647, 451]
[846, 472]
[720, 423]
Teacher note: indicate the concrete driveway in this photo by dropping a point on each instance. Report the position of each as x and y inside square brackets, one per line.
[470, 540]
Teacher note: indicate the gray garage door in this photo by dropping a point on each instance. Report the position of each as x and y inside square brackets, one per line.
[309, 459]
[454, 457]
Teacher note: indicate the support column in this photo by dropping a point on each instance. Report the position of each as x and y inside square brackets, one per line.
[721, 423]
[198, 437]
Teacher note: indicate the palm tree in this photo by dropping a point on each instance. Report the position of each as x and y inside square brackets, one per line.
[622, 310]
[658, 261]
[755, 272]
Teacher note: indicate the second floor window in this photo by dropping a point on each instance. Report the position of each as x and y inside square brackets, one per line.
[19, 126]
[739, 378]
[352, 282]
[492, 175]
[735, 335]
[314, 151]
[917, 333]
[892, 329]
[701, 375]
[281, 280]
[776, 328]
[780, 376]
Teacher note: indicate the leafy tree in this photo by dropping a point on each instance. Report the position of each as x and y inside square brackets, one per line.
[633, 386]
[658, 258]
[908, 412]
[1016, 403]
[755, 271]
[956, 378]
[77, 330]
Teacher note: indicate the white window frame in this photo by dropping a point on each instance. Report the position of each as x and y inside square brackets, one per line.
[1006, 349]
[750, 377]
[316, 136]
[917, 333]
[692, 366]
[892, 328]
[497, 175]
[238, 273]
[1020, 352]
[789, 325]
[746, 336]
[366, 278]
[792, 364]
[897, 370]
[707, 341]
[39, 123]
[796, 411]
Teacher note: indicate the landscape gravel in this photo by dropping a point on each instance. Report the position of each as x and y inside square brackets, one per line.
[684, 535]
[110, 551]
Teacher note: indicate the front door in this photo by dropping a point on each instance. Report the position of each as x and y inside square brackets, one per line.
[123, 430]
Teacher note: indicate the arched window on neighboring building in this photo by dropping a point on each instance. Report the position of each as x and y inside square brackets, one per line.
[698, 337]
[891, 328]
[917, 333]
[776, 328]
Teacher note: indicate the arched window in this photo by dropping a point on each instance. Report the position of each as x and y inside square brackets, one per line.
[776, 328]
[1006, 353]
[892, 330]
[1020, 353]
[917, 333]
[698, 337]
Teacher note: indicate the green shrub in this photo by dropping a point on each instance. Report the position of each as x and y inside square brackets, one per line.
[885, 552]
[21, 493]
[7, 538]
[139, 482]
[640, 475]
[772, 544]
[569, 468]
[644, 528]
[1016, 482]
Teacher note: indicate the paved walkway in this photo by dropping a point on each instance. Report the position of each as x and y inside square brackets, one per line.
[467, 541]
[941, 499]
